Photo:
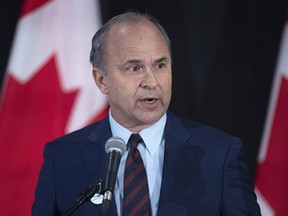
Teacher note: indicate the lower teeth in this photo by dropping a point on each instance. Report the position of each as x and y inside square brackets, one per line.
[150, 101]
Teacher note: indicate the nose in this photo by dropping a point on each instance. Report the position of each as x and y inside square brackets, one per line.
[150, 80]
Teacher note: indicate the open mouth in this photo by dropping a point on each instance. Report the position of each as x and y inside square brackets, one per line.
[150, 100]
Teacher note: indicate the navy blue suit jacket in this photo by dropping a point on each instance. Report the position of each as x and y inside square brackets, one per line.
[204, 172]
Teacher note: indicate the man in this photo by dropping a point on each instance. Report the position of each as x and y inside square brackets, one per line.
[191, 169]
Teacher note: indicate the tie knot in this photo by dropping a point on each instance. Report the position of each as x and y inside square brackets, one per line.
[134, 140]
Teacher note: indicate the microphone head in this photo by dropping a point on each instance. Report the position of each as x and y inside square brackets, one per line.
[115, 143]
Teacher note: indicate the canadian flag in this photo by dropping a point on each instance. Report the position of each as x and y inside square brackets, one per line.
[48, 91]
[272, 170]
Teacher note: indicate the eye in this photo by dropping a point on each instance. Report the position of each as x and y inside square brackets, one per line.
[135, 68]
[160, 65]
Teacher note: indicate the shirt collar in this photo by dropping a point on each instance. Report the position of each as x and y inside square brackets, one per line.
[152, 136]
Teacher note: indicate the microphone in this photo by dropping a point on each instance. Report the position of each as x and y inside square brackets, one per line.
[115, 148]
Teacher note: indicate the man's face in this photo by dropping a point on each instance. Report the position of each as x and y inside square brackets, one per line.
[139, 78]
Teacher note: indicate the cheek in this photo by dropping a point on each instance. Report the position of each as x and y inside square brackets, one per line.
[167, 83]
[120, 91]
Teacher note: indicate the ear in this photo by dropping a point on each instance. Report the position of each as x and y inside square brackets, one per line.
[100, 79]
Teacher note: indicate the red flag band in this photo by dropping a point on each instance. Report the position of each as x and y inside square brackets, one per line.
[48, 91]
[272, 176]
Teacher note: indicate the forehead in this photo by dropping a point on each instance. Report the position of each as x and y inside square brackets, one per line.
[141, 35]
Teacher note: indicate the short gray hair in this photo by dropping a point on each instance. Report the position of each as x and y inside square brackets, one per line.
[97, 54]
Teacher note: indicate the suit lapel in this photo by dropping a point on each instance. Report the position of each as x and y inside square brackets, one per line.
[94, 154]
[179, 158]
[94, 157]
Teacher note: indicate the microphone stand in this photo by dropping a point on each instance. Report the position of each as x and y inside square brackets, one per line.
[86, 195]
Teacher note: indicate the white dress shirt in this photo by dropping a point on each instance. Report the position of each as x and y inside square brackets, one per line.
[152, 153]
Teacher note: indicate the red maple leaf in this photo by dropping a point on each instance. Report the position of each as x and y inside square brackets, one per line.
[31, 114]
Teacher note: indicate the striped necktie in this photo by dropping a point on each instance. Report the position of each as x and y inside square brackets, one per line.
[136, 192]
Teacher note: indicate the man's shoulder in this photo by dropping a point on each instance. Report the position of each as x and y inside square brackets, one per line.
[196, 128]
[80, 135]
[198, 134]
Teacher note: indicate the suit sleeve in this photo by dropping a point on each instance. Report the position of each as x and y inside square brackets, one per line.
[238, 198]
[45, 203]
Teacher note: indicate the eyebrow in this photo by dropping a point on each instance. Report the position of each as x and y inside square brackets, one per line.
[133, 61]
[129, 62]
[163, 59]
[137, 61]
